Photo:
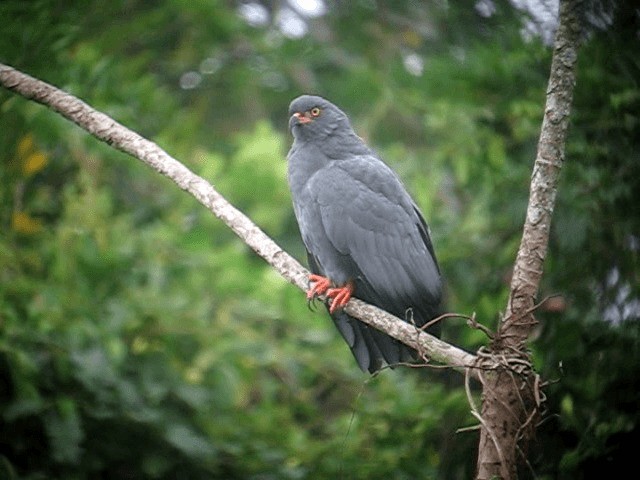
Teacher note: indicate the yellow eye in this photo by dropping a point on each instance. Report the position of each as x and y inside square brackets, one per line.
[315, 111]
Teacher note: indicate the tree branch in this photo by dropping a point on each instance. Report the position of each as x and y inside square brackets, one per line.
[113, 133]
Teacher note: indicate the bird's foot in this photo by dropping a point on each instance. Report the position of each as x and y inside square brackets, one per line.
[320, 286]
[340, 296]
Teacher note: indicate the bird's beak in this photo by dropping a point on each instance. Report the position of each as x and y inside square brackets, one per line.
[302, 117]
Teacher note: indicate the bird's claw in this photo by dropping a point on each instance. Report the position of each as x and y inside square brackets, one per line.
[339, 296]
[320, 286]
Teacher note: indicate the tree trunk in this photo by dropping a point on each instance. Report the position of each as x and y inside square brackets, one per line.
[510, 392]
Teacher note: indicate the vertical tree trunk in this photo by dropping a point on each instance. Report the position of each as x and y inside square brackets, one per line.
[511, 398]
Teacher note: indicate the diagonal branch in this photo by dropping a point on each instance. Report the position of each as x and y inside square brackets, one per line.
[113, 133]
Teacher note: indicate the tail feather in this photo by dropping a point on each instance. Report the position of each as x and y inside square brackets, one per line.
[361, 341]
[370, 347]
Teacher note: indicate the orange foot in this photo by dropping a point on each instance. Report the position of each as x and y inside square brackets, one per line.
[320, 286]
[340, 296]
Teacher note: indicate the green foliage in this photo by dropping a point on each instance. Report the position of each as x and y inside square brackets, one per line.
[140, 339]
[594, 396]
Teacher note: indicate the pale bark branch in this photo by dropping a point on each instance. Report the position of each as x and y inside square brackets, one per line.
[108, 130]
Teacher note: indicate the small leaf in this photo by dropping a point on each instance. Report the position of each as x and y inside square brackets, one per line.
[64, 429]
[189, 442]
[35, 162]
[6, 469]
[25, 145]
[24, 223]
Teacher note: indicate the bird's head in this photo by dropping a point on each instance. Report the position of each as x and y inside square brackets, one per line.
[312, 117]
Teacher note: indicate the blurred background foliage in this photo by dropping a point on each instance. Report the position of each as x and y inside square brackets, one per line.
[140, 339]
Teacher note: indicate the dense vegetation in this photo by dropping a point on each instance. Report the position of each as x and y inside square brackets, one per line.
[140, 339]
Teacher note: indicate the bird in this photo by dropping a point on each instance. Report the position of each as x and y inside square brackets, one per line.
[364, 235]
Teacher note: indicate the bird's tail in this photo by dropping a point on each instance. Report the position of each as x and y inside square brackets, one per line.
[373, 348]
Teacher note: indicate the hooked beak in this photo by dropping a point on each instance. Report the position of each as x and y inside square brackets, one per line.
[302, 117]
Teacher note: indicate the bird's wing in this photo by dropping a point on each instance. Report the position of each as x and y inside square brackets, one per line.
[369, 217]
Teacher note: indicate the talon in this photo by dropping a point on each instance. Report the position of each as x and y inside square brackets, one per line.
[340, 296]
[311, 304]
[321, 285]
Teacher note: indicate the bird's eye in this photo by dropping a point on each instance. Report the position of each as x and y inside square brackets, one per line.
[315, 111]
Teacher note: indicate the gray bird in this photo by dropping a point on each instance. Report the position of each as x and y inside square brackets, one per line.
[363, 233]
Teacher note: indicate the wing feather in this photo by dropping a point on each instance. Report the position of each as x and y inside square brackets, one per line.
[371, 220]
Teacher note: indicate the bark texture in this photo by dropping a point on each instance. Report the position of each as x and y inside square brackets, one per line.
[511, 392]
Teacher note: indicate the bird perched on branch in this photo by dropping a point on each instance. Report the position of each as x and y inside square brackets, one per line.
[365, 237]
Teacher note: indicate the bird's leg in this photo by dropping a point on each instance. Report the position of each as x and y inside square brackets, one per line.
[340, 296]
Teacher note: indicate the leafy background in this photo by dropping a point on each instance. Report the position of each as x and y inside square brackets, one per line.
[140, 339]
